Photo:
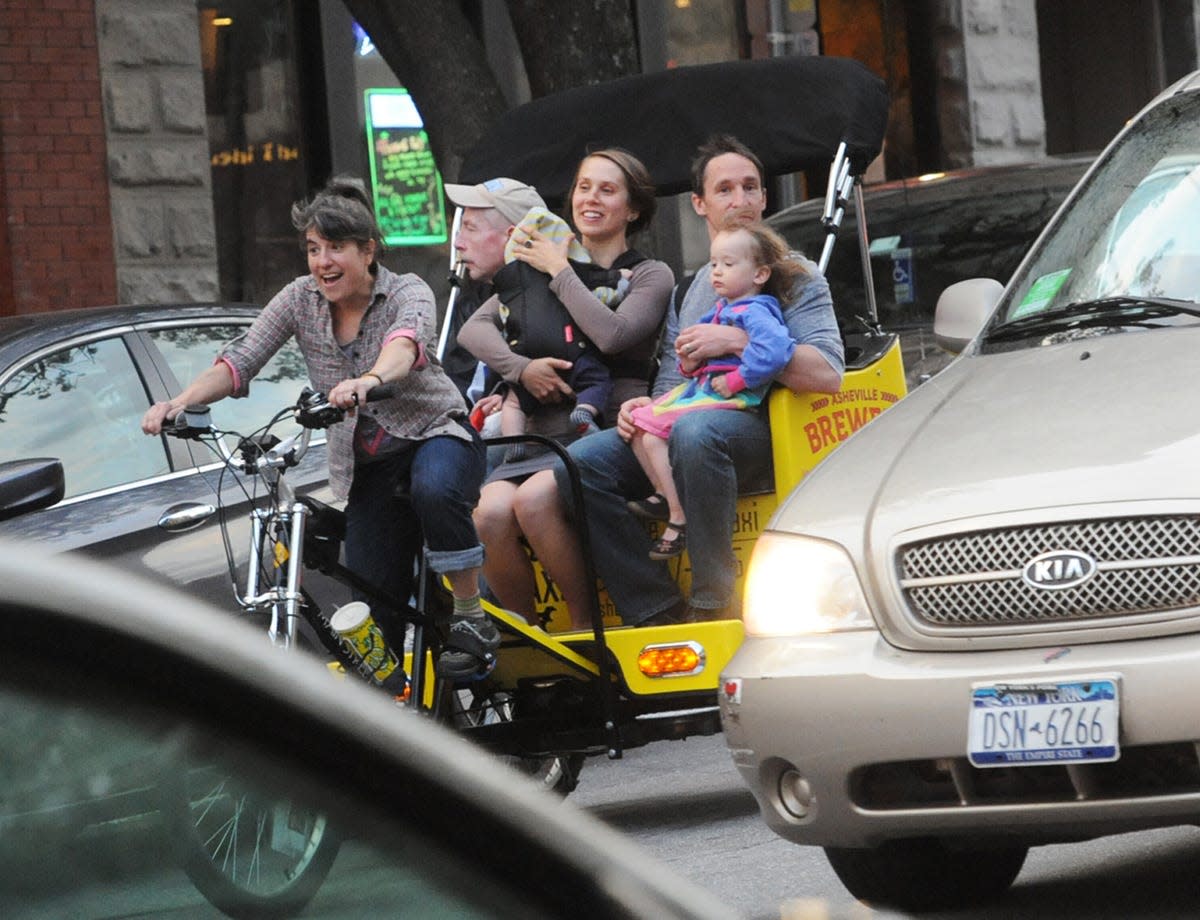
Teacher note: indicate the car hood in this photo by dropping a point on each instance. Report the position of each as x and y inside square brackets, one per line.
[1101, 420]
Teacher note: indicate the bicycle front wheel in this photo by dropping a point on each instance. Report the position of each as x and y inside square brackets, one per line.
[253, 855]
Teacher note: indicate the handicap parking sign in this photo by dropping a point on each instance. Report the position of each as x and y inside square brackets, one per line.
[904, 288]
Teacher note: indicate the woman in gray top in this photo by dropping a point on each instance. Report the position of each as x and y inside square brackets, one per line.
[359, 326]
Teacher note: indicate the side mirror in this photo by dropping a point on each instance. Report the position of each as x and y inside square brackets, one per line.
[28, 485]
[962, 310]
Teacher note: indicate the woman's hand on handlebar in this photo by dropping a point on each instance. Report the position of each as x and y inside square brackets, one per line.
[349, 393]
[157, 416]
[542, 380]
[625, 416]
[210, 385]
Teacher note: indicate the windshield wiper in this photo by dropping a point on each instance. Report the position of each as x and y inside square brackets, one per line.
[1123, 310]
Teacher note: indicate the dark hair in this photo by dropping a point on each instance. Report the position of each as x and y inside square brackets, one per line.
[770, 249]
[340, 211]
[638, 184]
[719, 145]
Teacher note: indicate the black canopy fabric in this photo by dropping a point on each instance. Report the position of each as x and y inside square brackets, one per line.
[792, 112]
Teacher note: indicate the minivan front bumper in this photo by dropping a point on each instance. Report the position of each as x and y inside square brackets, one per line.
[847, 741]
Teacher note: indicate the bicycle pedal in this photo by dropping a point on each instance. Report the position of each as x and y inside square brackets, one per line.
[480, 673]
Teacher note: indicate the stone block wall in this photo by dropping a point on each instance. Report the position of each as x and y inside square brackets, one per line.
[158, 156]
[989, 95]
[56, 247]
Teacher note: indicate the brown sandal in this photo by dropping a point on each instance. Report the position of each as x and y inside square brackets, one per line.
[670, 547]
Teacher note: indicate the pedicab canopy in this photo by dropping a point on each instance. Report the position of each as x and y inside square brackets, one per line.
[792, 112]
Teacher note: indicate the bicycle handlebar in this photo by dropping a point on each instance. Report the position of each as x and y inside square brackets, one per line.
[311, 411]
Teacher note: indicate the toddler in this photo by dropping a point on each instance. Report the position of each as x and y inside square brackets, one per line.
[751, 270]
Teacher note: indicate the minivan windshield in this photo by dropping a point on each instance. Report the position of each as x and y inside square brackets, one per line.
[1127, 250]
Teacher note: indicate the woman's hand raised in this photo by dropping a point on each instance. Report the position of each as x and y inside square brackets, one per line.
[544, 254]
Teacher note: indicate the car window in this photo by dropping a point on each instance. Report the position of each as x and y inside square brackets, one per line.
[83, 405]
[188, 350]
[926, 238]
[108, 813]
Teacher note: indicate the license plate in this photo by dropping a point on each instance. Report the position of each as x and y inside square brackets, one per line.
[1024, 724]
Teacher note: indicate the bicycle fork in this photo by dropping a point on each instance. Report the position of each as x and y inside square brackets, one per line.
[279, 536]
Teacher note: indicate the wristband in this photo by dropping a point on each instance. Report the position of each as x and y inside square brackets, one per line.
[375, 375]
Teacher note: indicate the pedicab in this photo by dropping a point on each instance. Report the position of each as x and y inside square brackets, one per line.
[559, 694]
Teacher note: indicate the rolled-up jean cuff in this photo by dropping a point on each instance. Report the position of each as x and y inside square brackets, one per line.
[455, 560]
[653, 613]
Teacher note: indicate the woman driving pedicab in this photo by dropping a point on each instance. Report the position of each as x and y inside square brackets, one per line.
[610, 197]
[358, 326]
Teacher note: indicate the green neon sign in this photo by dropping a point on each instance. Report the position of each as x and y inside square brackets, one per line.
[405, 182]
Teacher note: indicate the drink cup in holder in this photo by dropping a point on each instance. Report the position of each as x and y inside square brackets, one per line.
[362, 636]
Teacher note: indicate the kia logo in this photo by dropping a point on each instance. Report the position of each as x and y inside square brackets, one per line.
[1059, 569]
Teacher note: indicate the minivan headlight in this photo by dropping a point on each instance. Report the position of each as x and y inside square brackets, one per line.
[799, 585]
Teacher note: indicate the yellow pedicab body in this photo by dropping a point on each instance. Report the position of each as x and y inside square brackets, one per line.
[688, 658]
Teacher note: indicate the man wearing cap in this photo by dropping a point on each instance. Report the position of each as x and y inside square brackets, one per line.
[490, 211]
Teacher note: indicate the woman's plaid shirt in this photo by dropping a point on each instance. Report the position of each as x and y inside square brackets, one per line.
[426, 404]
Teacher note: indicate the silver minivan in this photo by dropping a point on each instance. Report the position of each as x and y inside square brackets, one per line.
[976, 627]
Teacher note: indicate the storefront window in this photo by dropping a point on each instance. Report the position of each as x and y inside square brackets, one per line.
[251, 93]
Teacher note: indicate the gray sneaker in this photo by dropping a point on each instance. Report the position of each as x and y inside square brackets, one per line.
[470, 649]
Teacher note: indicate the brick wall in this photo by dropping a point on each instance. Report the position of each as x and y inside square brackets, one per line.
[56, 246]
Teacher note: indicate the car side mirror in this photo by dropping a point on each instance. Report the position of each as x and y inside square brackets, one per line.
[29, 485]
[962, 310]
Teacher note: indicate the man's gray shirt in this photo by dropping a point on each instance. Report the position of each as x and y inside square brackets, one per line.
[809, 317]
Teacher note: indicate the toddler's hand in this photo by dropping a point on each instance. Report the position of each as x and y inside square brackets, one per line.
[721, 386]
[625, 427]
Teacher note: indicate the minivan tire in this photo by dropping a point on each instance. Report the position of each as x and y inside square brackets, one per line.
[926, 874]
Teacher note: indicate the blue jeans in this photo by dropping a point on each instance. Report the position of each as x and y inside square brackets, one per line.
[713, 454]
[423, 494]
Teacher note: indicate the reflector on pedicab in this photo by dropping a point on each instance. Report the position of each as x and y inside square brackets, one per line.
[672, 659]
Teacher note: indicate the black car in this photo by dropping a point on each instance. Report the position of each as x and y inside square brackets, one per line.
[74, 385]
[928, 232]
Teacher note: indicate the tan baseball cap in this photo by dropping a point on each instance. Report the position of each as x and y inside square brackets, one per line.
[511, 198]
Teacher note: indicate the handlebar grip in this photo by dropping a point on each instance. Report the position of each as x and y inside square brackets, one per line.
[190, 423]
[314, 411]
[383, 391]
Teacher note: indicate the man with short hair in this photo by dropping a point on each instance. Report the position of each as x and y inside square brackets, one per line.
[490, 211]
[712, 453]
